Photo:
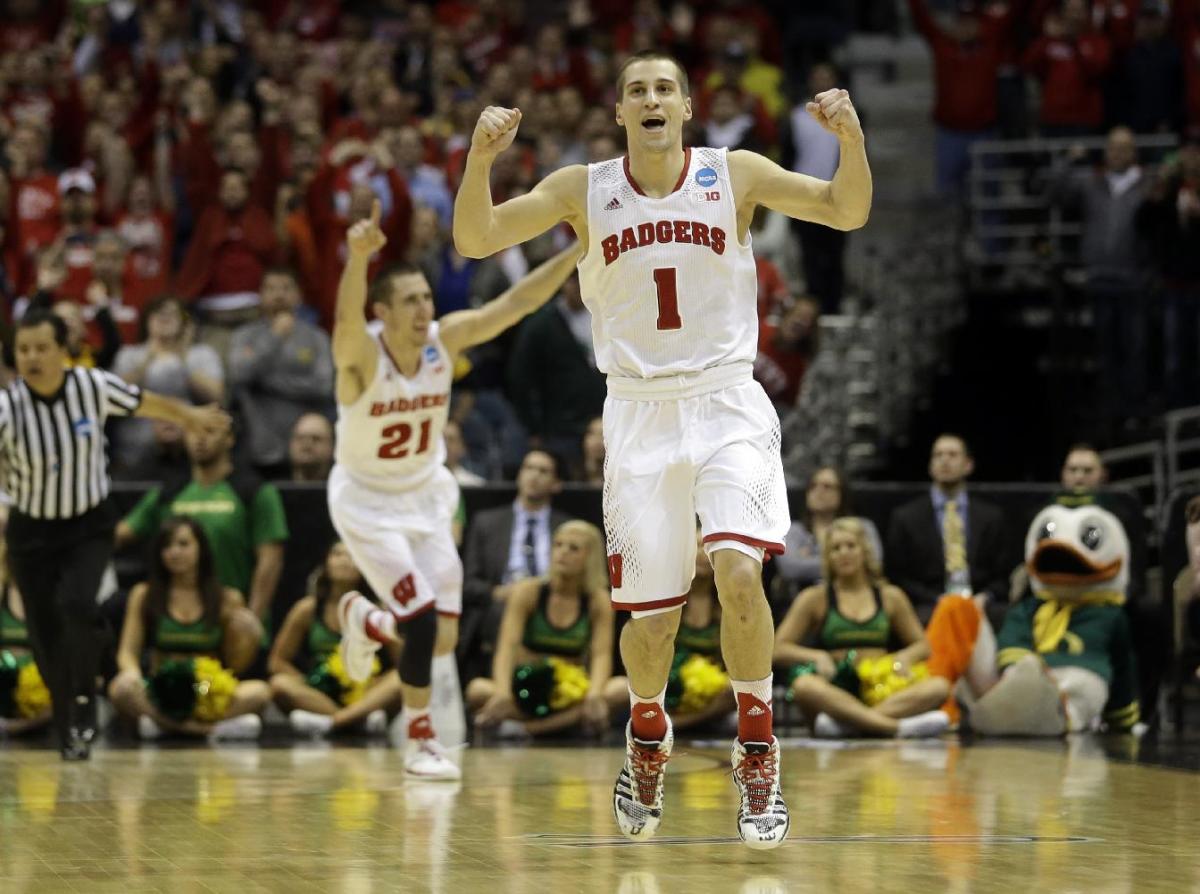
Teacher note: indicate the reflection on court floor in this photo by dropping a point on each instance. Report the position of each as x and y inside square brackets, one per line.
[921, 817]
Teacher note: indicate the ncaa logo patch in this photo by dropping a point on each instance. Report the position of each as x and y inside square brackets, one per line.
[83, 428]
[431, 354]
[706, 177]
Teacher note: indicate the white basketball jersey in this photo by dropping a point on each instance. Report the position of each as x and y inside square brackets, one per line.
[391, 438]
[670, 287]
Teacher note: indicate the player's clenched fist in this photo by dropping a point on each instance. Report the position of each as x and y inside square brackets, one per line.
[835, 112]
[495, 130]
[365, 237]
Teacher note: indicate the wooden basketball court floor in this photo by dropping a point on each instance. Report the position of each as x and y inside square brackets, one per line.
[866, 817]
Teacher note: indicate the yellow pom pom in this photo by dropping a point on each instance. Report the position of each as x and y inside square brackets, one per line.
[703, 680]
[214, 690]
[32, 696]
[352, 690]
[570, 684]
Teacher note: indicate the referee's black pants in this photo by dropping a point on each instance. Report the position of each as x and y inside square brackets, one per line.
[59, 584]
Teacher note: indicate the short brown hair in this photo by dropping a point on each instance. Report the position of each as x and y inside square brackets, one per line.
[380, 291]
[647, 56]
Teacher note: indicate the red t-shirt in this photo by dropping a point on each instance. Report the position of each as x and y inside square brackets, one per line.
[778, 370]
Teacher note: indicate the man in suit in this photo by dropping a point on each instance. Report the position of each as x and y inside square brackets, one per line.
[948, 542]
[505, 545]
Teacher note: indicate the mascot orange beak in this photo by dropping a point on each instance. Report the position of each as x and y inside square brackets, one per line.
[1061, 565]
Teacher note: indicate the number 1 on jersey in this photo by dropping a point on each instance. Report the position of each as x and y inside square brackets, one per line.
[668, 299]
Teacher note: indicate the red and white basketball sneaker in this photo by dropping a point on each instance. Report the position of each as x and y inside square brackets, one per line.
[638, 793]
[357, 649]
[763, 817]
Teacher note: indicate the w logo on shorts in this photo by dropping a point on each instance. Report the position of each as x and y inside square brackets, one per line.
[614, 569]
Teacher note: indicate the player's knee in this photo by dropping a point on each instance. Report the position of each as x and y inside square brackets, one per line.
[739, 584]
[657, 629]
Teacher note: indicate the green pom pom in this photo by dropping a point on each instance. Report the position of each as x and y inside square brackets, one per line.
[533, 684]
[323, 680]
[173, 689]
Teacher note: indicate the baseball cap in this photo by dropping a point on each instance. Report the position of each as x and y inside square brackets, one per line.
[75, 178]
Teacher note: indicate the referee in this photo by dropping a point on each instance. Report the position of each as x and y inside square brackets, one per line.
[60, 531]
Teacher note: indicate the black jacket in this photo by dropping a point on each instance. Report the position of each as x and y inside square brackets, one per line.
[916, 562]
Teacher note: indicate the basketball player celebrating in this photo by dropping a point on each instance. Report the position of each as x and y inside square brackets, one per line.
[669, 277]
[391, 497]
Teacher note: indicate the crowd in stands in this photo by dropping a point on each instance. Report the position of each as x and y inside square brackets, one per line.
[176, 182]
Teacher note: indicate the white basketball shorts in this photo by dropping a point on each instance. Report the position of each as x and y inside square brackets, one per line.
[402, 542]
[676, 448]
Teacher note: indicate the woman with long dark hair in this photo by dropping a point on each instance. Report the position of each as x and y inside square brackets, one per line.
[309, 638]
[182, 612]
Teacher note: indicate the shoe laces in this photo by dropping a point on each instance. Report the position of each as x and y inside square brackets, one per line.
[648, 764]
[757, 774]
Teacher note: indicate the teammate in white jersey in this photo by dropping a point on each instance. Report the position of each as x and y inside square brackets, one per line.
[669, 278]
[391, 498]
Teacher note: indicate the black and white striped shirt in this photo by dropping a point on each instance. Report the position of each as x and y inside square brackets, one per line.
[53, 449]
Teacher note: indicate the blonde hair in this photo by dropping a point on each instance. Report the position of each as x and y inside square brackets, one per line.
[855, 528]
[595, 568]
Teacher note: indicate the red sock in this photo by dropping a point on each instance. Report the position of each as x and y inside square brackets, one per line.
[648, 721]
[420, 726]
[754, 719]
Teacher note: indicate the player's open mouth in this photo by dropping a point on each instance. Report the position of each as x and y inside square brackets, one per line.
[654, 123]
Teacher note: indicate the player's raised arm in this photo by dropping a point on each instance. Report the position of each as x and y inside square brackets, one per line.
[843, 203]
[465, 328]
[481, 229]
[352, 348]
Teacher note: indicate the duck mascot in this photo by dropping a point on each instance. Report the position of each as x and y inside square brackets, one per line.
[1063, 661]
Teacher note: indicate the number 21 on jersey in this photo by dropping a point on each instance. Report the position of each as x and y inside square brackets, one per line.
[396, 438]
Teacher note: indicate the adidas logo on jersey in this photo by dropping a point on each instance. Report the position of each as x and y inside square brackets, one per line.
[614, 205]
[649, 715]
[756, 711]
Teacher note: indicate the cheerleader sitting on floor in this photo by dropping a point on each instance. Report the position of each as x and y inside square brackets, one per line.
[849, 685]
[323, 699]
[198, 634]
[553, 660]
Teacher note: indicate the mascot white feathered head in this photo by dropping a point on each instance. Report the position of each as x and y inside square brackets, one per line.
[1071, 551]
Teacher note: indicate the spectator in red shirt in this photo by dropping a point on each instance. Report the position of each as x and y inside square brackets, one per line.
[233, 244]
[146, 226]
[1070, 59]
[966, 58]
[34, 216]
[340, 194]
[786, 350]
[773, 293]
[77, 191]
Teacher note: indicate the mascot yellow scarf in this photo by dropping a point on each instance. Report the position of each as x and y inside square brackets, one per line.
[1053, 617]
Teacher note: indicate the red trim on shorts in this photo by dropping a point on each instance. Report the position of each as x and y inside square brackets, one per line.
[416, 614]
[771, 549]
[687, 163]
[649, 606]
